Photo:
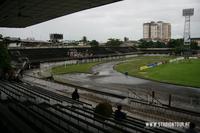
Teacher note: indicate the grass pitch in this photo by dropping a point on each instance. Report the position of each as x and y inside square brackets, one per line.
[132, 66]
[182, 72]
[78, 68]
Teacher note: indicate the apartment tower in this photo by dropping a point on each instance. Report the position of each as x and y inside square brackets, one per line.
[157, 31]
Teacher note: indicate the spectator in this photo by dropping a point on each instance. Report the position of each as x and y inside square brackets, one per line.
[75, 95]
[191, 128]
[119, 115]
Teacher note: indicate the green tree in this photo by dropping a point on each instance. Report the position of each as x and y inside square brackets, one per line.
[146, 44]
[4, 56]
[4, 59]
[142, 43]
[150, 44]
[103, 110]
[94, 43]
[177, 45]
[174, 43]
[159, 44]
[179, 49]
[171, 43]
[113, 42]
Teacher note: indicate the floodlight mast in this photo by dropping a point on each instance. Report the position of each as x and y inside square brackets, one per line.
[187, 13]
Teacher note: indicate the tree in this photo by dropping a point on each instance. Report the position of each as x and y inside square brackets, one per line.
[179, 49]
[4, 56]
[5, 65]
[94, 43]
[176, 45]
[159, 44]
[173, 43]
[113, 42]
[142, 43]
[103, 110]
[150, 44]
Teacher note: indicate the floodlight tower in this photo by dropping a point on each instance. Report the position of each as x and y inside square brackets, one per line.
[187, 13]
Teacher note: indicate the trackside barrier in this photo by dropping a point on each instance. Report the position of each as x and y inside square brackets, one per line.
[47, 66]
[108, 123]
[193, 57]
[167, 113]
[176, 59]
[159, 63]
[164, 62]
[144, 67]
[130, 122]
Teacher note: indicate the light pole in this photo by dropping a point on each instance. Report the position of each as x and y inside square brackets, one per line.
[187, 13]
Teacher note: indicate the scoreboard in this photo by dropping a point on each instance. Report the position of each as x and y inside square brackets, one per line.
[56, 37]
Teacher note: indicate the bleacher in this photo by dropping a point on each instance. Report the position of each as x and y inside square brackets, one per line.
[35, 55]
[59, 54]
[47, 111]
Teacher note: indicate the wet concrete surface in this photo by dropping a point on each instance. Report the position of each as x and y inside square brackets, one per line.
[106, 79]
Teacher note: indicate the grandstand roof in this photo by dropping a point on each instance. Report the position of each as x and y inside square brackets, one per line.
[23, 13]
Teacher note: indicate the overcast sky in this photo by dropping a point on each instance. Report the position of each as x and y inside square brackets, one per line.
[115, 20]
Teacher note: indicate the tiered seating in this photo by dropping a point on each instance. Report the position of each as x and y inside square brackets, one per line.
[43, 95]
[101, 51]
[55, 54]
[124, 49]
[58, 113]
[44, 54]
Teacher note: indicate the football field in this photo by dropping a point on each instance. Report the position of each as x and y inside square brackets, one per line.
[181, 72]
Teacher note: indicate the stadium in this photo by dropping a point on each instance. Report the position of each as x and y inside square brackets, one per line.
[156, 88]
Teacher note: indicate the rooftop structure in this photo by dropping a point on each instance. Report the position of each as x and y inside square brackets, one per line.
[197, 40]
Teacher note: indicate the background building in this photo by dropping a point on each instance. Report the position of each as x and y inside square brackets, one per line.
[146, 31]
[56, 37]
[197, 40]
[157, 31]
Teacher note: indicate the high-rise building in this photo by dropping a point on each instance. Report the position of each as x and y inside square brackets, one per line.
[153, 31]
[146, 31]
[157, 31]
